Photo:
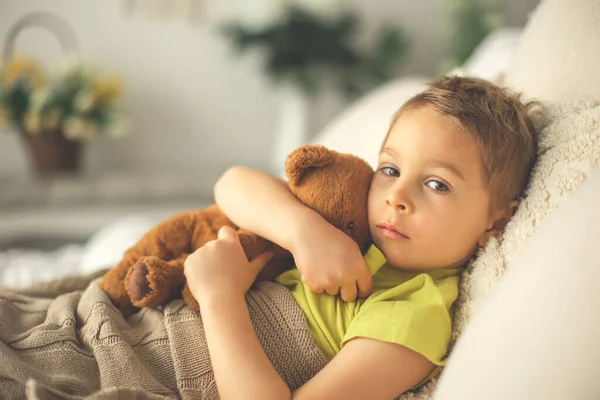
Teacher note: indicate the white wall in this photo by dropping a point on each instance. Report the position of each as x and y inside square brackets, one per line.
[195, 107]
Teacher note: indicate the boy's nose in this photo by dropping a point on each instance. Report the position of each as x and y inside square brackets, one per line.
[399, 199]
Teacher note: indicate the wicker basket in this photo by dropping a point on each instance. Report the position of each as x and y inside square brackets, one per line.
[50, 153]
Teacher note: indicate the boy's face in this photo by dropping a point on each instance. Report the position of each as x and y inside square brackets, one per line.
[429, 205]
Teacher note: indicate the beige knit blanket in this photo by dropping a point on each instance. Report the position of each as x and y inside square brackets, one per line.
[65, 339]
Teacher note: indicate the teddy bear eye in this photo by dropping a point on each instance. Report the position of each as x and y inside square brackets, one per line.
[350, 225]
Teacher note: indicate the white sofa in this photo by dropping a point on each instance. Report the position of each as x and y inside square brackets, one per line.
[529, 333]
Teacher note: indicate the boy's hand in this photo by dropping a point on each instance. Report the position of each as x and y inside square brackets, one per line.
[220, 267]
[330, 261]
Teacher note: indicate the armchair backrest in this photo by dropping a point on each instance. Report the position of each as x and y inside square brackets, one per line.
[558, 57]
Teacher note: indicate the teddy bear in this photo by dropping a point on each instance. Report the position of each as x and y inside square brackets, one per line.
[151, 272]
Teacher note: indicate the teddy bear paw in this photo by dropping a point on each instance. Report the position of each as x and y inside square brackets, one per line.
[152, 282]
[138, 286]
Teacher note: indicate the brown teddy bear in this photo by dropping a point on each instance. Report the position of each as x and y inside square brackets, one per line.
[151, 272]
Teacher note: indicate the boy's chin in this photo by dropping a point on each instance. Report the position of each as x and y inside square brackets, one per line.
[406, 263]
[397, 261]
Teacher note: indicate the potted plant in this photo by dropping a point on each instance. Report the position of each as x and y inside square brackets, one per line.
[54, 115]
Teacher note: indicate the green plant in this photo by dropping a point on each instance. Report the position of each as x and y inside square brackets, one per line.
[470, 22]
[307, 51]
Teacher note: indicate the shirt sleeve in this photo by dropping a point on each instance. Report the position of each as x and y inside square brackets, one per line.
[414, 314]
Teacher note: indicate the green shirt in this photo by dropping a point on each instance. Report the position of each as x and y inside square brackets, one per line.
[408, 308]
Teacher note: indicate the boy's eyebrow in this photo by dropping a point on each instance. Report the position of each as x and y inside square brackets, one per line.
[388, 151]
[449, 167]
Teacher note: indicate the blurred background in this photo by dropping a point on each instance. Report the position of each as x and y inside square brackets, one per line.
[161, 96]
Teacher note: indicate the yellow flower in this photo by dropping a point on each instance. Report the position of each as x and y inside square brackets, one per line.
[23, 67]
[32, 122]
[14, 69]
[107, 88]
[37, 77]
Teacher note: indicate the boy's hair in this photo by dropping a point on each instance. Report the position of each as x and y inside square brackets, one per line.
[497, 120]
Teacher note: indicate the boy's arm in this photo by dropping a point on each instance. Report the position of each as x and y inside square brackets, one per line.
[328, 259]
[261, 203]
[364, 368]
[367, 369]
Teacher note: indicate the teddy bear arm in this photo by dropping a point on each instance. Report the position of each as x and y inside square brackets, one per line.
[282, 259]
[152, 282]
[205, 226]
[113, 283]
[275, 267]
[252, 244]
[169, 239]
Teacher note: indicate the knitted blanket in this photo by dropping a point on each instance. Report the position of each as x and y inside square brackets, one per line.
[65, 339]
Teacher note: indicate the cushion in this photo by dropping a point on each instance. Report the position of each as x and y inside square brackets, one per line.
[361, 128]
[569, 149]
[491, 58]
[558, 58]
[536, 335]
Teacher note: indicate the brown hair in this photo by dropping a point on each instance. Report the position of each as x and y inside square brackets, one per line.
[497, 120]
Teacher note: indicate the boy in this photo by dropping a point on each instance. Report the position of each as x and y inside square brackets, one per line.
[455, 160]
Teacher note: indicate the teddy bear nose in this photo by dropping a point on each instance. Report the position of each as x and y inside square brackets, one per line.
[350, 225]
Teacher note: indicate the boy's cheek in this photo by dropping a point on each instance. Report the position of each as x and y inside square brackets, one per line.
[374, 209]
[422, 225]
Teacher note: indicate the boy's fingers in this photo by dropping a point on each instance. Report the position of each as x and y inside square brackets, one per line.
[332, 290]
[348, 291]
[226, 232]
[364, 284]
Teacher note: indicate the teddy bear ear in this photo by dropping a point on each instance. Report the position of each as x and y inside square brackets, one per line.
[304, 158]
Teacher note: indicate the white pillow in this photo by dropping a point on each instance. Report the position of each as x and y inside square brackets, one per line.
[569, 148]
[361, 128]
[558, 57]
[536, 335]
[491, 58]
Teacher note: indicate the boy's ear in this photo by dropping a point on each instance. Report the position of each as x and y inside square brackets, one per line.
[499, 222]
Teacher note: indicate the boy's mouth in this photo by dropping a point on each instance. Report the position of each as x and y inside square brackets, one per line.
[391, 231]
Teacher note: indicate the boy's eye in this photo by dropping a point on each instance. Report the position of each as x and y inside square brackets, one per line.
[437, 186]
[389, 171]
